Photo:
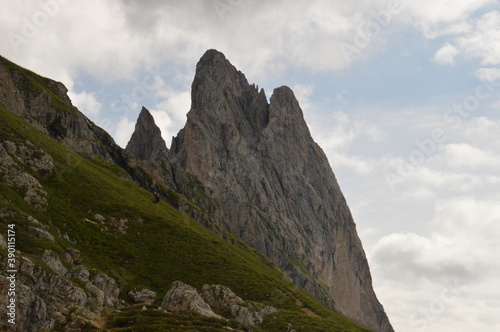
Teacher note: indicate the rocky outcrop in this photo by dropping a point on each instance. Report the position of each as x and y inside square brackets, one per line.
[182, 297]
[275, 187]
[13, 158]
[225, 301]
[146, 142]
[44, 103]
[47, 299]
[144, 296]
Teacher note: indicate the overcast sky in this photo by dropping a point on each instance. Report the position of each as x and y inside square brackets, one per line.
[403, 96]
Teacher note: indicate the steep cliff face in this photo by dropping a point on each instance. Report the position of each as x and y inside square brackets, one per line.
[45, 104]
[275, 186]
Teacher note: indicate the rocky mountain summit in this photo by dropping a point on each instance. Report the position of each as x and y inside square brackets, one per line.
[146, 143]
[274, 186]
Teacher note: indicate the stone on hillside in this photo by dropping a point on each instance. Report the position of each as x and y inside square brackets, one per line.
[81, 273]
[54, 263]
[73, 256]
[40, 233]
[225, 301]
[110, 289]
[182, 297]
[12, 175]
[145, 296]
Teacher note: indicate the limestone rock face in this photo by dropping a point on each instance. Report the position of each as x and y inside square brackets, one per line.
[50, 110]
[182, 297]
[146, 142]
[225, 301]
[275, 187]
[145, 296]
[12, 159]
[47, 300]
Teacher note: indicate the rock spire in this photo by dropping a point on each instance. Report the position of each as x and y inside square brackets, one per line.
[146, 142]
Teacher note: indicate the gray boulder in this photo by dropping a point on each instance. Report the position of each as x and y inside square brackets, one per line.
[182, 297]
[145, 296]
[225, 301]
[73, 256]
[54, 263]
[40, 233]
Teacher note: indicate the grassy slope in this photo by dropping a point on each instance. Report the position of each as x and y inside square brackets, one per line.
[161, 245]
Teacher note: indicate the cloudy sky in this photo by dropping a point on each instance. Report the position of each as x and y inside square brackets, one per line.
[402, 95]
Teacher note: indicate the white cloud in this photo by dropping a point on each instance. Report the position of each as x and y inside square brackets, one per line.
[123, 131]
[176, 104]
[483, 131]
[440, 17]
[84, 49]
[484, 42]
[466, 156]
[454, 268]
[121, 38]
[488, 74]
[450, 30]
[411, 256]
[338, 131]
[302, 94]
[368, 232]
[471, 219]
[86, 102]
[446, 55]
[422, 193]
[356, 164]
[170, 113]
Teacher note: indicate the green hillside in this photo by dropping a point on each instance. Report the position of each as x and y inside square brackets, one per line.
[153, 246]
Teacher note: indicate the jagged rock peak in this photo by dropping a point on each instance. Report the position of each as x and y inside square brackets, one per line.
[221, 95]
[285, 111]
[278, 191]
[216, 64]
[146, 142]
[216, 67]
[213, 57]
